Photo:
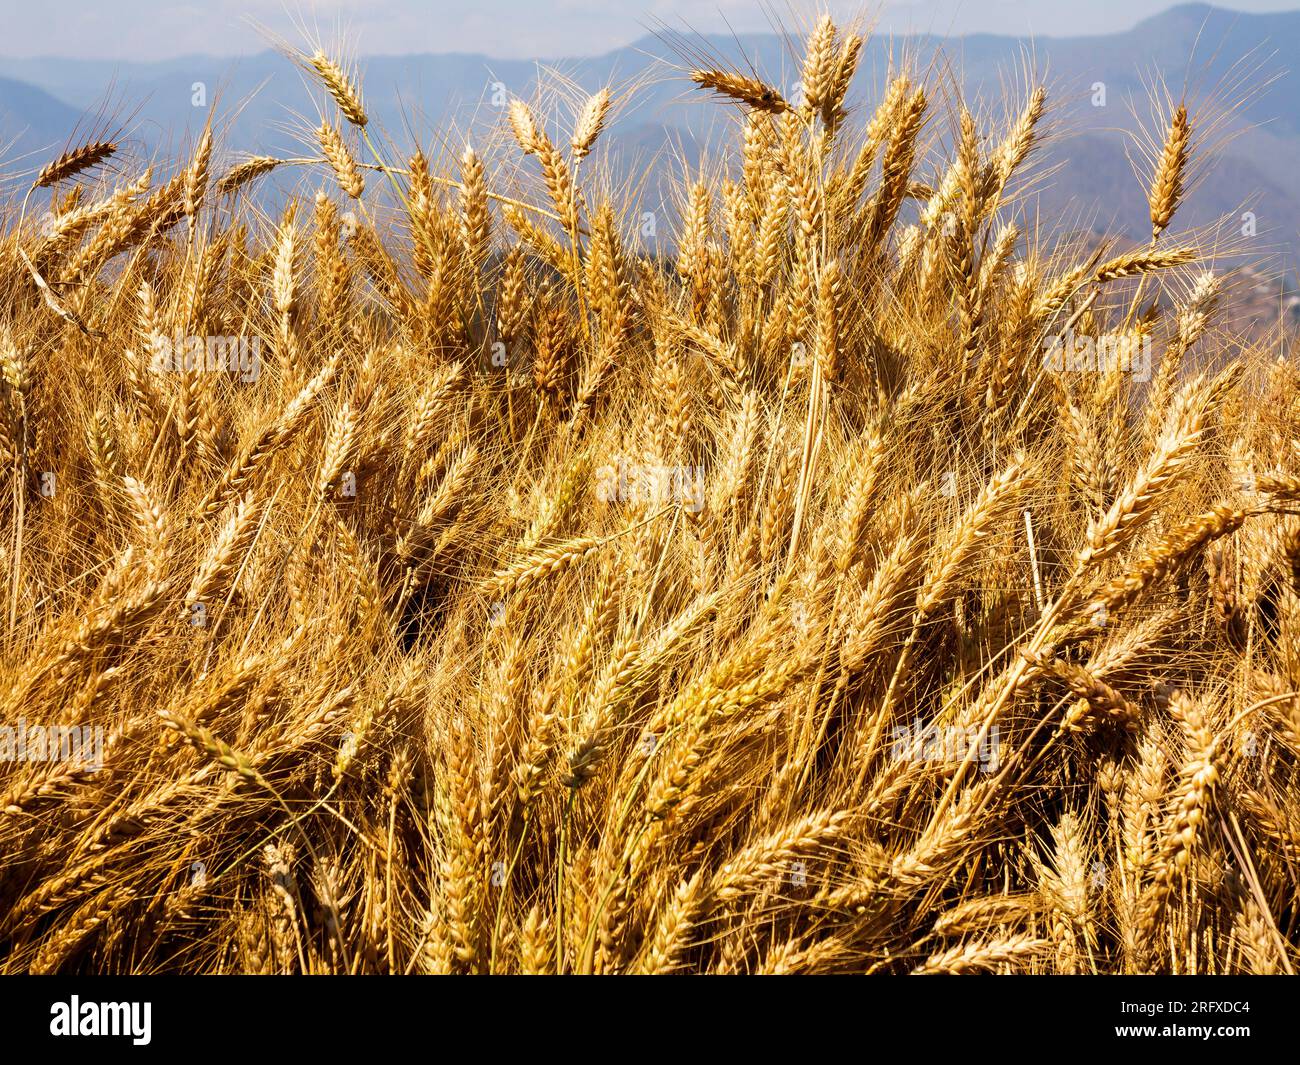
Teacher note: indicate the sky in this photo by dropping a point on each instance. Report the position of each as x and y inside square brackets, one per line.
[143, 30]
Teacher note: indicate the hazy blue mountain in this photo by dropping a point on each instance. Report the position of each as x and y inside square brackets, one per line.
[265, 104]
[31, 123]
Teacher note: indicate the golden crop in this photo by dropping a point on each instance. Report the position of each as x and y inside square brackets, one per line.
[518, 599]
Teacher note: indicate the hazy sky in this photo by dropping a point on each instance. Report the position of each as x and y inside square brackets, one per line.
[156, 29]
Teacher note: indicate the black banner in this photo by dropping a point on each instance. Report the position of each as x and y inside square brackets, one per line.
[1066, 1016]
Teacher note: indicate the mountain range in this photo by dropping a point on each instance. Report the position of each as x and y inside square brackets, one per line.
[1239, 72]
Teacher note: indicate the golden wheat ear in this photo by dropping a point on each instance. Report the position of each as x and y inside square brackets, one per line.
[341, 87]
[250, 169]
[1166, 191]
[341, 161]
[742, 88]
[74, 161]
[591, 120]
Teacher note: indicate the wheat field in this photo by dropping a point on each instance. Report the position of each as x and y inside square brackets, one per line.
[512, 596]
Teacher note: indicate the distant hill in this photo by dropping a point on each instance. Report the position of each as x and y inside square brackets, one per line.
[31, 122]
[1209, 50]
